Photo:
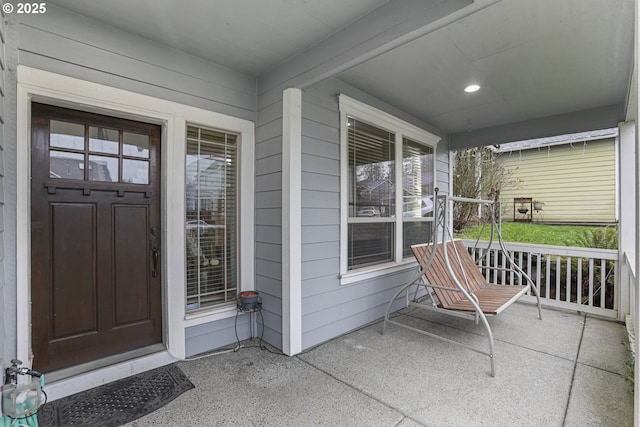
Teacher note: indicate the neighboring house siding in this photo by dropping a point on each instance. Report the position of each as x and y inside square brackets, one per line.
[269, 217]
[76, 46]
[576, 182]
[329, 309]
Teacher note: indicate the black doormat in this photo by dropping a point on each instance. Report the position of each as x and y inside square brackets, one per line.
[118, 402]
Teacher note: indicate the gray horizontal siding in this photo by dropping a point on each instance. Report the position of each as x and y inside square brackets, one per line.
[73, 45]
[338, 311]
[271, 130]
[269, 218]
[268, 252]
[320, 199]
[320, 165]
[269, 182]
[318, 251]
[319, 181]
[200, 338]
[320, 202]
[269, 199]
[320, 234]
[320, 216]
[268, 234]
[319, 148]
[268, 165]
[268, 147]
[329, 309]
[270, 269]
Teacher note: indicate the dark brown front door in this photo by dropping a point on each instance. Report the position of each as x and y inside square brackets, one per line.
[95, 241]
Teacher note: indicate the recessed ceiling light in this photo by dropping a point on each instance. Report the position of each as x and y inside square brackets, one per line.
[471, 88]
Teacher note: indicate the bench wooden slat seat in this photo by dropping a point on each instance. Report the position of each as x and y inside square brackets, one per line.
[492, 299]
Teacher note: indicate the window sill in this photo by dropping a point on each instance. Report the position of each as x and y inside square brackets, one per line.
[367, 273]
[218, 313]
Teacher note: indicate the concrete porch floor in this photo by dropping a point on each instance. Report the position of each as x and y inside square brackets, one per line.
[563, 370]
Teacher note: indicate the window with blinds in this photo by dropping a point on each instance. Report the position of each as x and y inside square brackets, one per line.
[388, 179]
[211, 217]
[371, 194]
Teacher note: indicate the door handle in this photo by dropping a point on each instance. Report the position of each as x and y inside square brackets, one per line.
[155, 231]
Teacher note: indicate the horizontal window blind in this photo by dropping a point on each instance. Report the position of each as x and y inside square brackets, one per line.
[211, 217]
[371, 195]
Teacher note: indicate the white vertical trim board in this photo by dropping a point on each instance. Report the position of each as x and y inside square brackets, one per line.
[616, 165]
[626, 213]
[399, 194]
[56, 89]
[291, 221]
[344, 189]
[23, 230]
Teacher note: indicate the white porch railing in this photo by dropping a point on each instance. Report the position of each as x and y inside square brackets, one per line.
[581, 279]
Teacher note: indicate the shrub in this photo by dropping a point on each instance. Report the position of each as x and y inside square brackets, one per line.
[601, 238]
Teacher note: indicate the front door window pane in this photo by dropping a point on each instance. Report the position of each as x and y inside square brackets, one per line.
[66, 135]
[103, 168]
[135, 145]
[65, 165]
[104, 140]
[135, 171]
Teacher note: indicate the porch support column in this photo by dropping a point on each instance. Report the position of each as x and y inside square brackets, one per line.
[627, 211]
[291, 221]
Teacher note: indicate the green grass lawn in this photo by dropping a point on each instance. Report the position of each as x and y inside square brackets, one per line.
[522, 232]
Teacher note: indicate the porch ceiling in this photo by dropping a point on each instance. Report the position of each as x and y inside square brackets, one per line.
[545, 66]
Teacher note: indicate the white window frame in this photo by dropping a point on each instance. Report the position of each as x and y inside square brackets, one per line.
[351, 108]
[56, 89]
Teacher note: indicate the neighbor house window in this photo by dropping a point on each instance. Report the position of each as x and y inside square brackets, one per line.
[211, 217]
[388, 173]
